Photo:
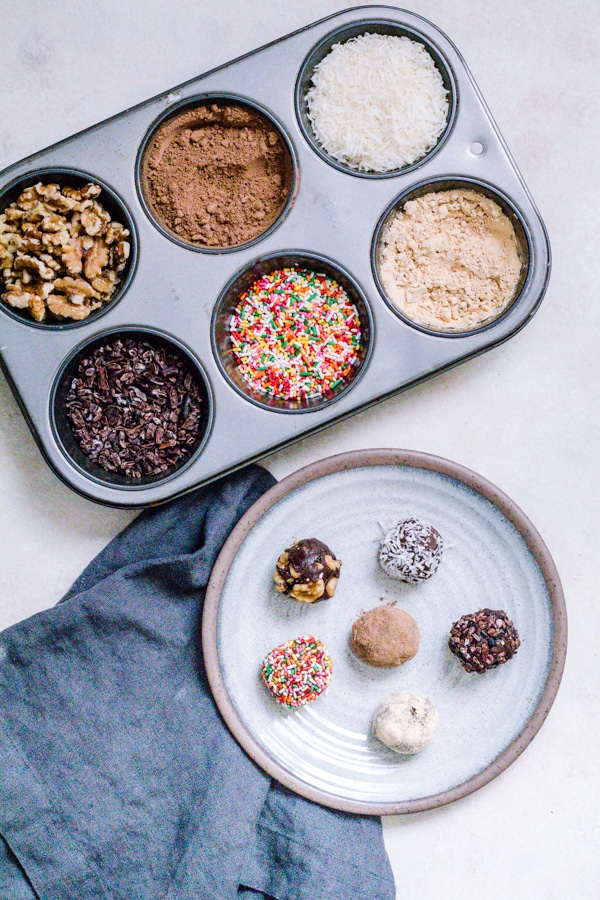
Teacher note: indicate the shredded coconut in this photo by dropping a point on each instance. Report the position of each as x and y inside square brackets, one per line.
[449, 260]
[377, 102]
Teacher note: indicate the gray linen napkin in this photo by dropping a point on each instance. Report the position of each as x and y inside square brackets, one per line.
[118, 778]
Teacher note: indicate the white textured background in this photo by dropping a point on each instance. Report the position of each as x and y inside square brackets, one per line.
[525, 415]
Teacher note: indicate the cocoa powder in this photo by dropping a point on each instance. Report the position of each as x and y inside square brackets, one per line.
[217, 175]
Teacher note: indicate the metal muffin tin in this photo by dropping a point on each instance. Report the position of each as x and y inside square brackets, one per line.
[334, 218]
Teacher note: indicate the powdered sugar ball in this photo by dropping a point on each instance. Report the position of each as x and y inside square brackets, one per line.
[411, 551]
[406, 722]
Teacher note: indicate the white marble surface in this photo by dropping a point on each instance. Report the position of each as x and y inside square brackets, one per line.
[524, 415]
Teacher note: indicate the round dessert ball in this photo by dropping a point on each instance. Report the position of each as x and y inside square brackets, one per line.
[483, 640]
[298, 671]
[405, 722]
[307, 571]
[385, 636]
[411, 551]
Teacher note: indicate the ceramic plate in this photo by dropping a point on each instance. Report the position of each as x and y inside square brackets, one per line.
[494, 558]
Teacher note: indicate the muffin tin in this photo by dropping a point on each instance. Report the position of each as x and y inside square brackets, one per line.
[181, 295]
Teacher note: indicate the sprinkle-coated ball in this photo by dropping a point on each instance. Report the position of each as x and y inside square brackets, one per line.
[298, 671]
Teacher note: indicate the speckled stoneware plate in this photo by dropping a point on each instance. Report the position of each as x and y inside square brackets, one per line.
[494, 558]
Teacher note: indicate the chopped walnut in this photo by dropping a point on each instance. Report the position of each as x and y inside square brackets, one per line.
[72, 256]
[60, 306]
[52, 223]
[114, 231]
[31, 244]
[16, 296]
[104, 284]
[54, 198]
[74, 286]
[26, 264]
[84, 193]
[119, 255]
[94, 218]
[37, 308]
[60, 253]
[96, 259]
[50, 261]
[43, 289]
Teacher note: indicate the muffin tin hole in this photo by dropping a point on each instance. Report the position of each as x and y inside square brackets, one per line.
[310, 335]
[217, 173]
[70, 253]
[342, 35]
[503, 259]
[135, 400]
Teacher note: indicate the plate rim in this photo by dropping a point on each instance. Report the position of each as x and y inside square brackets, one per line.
[363, 459]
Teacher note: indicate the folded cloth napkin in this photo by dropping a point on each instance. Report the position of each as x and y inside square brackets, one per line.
[118, 778]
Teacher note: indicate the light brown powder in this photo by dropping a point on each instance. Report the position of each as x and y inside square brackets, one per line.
[449, 260]
[217, 175]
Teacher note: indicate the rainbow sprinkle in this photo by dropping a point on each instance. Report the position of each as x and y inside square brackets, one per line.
[298, 671]
[295, 334]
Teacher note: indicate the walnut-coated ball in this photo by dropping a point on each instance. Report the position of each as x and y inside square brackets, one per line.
[307, 571]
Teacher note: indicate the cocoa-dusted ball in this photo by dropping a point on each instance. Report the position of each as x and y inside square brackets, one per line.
[307, 571]
[411, 551]
[484, 640]
[385, 636]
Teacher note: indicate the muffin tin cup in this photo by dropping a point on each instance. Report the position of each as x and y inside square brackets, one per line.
[229, 299]
[67, 177]
[510, 210]
[182, 292]
[340, 36]
[62, 428]
[204, 100]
